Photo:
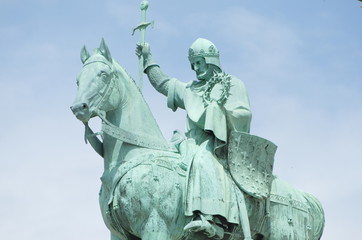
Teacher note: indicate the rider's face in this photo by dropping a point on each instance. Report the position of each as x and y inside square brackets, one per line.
[200, 67]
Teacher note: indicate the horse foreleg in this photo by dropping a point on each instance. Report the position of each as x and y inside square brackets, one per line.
[113, 237]
[155, 228]
[156, 235]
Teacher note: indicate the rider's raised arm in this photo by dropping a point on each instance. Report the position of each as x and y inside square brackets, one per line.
[170, 87]
[158, 79]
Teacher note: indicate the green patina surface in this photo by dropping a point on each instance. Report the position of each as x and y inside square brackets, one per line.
[213, 182]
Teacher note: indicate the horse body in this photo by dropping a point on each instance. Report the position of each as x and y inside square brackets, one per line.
[142, 203]
[106, 90]
[143, 181]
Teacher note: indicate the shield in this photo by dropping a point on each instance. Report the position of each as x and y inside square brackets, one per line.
[251, 160]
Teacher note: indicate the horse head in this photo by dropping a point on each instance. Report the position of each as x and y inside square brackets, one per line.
[98, 89]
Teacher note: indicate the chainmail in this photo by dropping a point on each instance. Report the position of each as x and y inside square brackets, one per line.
[158, 79]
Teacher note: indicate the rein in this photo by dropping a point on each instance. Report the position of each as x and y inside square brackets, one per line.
[134, 138]
[108, 91]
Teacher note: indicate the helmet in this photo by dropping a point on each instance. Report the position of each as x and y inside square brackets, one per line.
[206, 49]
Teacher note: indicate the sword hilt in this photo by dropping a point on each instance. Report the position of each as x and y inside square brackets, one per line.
[142, 26]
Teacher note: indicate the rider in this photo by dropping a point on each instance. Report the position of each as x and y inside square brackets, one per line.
[216, 104]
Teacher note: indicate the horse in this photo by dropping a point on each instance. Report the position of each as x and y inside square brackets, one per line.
[143, 183]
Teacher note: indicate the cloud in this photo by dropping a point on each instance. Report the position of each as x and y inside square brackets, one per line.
[49, 181]
[304, 89]
[167, 29]
[124, 13]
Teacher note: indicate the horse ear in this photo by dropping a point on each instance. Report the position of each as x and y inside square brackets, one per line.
[84, 54]
[105, 51]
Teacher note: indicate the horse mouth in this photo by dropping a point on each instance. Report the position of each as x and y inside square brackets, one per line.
[82, 117]
[81, 112]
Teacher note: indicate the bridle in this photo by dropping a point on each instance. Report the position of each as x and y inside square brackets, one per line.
[115, 131]
[107, 91]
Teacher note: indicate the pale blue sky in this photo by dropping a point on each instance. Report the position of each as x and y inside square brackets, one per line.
[300, 61]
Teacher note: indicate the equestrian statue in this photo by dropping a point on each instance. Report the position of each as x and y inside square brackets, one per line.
[214, 182]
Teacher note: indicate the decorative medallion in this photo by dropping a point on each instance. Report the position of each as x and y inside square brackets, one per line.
[219, 82]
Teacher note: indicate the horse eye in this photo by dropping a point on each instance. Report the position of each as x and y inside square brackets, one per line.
[103, 74]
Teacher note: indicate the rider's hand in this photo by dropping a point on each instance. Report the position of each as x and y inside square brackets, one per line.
[143, 50]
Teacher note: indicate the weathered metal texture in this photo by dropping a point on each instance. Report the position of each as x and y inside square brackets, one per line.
[295, 215]
[143, 184]
[142, 202]
[251, 161]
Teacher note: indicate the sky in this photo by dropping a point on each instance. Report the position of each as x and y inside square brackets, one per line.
[300, 62]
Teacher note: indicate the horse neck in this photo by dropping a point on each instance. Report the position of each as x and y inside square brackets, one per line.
[136, 115]
[132, 115]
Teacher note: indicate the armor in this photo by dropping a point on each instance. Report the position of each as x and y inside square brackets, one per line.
[206, 49]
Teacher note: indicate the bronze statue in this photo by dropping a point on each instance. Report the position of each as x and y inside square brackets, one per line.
[215, 183]
[216, 104]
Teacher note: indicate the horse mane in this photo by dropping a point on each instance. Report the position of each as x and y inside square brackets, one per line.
[135, 90]
[124, 72]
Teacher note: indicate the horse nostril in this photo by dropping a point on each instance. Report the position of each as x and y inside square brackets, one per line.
[80, 107]
[81, 111]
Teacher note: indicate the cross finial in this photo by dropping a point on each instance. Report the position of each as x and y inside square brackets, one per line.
[142, 28]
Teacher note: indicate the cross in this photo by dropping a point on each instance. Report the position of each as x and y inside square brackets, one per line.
[142, 28]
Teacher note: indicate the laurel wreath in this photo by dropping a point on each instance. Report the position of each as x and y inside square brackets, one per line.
[218, 78]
